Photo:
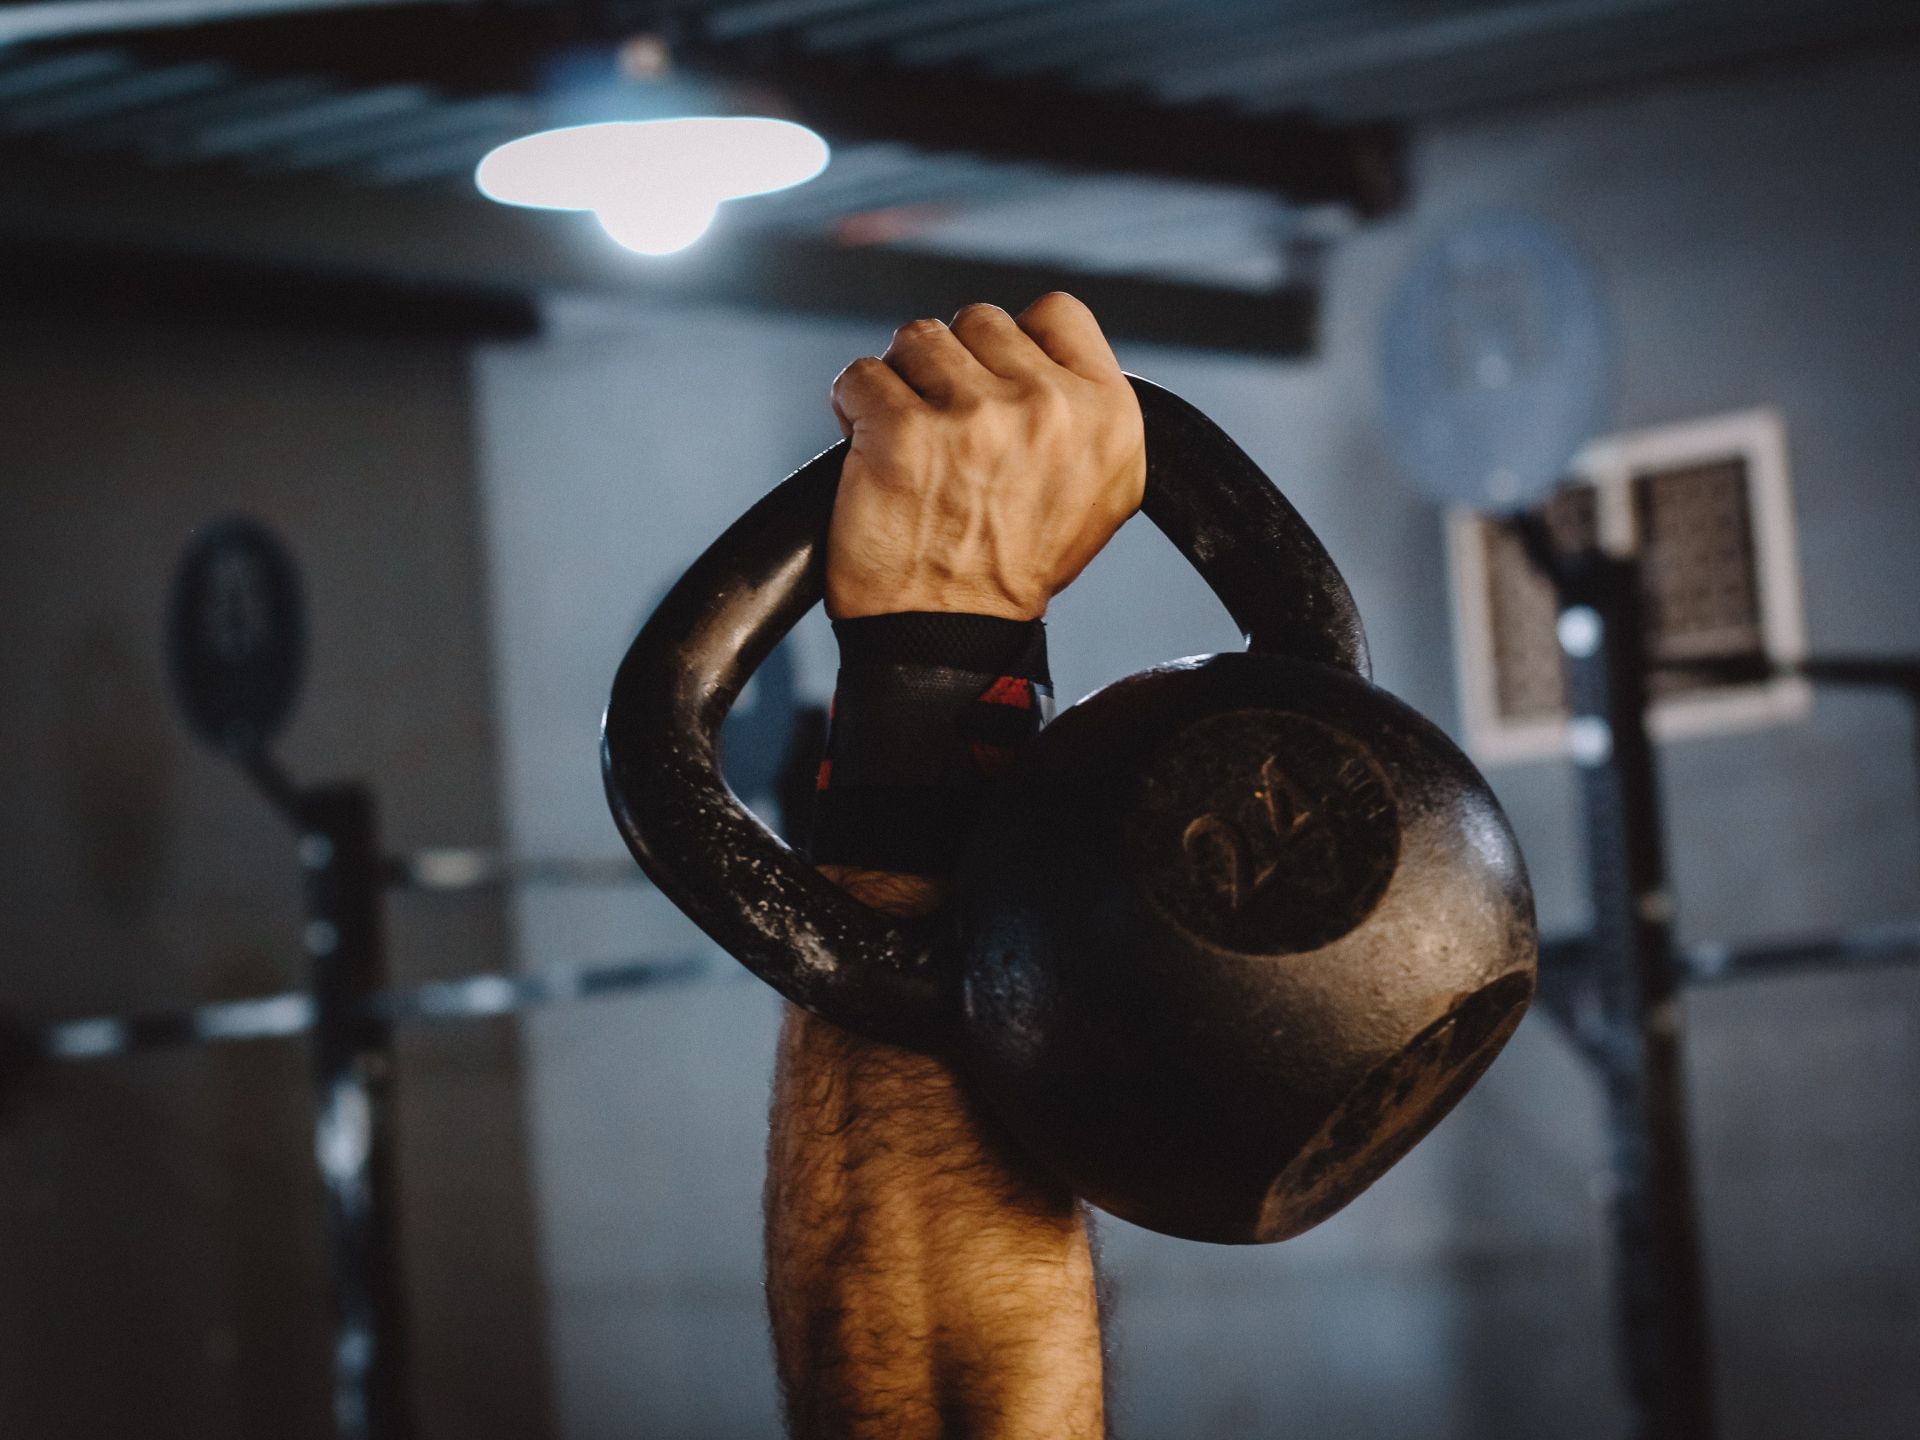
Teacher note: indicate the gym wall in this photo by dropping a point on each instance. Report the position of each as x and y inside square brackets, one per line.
[581, 1189]
[1751, 256]
[162, 1270]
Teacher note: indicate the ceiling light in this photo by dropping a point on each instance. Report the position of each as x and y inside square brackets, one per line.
[654, 184]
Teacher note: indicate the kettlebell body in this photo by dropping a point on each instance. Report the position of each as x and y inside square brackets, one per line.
[1236, 933]
[1233, 935]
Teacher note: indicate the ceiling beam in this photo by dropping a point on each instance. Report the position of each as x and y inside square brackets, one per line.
[470, 49]
[94, 281]
[62, 19]
[438, 239]
[864, 97]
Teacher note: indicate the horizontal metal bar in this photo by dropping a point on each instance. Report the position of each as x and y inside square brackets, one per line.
[58, 18]
[56, 72]
[759, 16]
[479, 996]
[1110, 53]
[324, 115]
[934, 188]
[1696, 40]
[888, 24]
[1867, 672]
[1868, 947]
[362, 141]
[115, 95]
[457, 870]
[279, 1017]
[1072, 30]
[1565, 961]
[1407, 44]
[454, 156]
[166, 123]
[98, 1037]
[174, 140]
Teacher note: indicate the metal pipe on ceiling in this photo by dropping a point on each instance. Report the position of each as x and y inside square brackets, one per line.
[114, 94]
[445, 123]
[55, 19]
[759, 16]
[1408, 44]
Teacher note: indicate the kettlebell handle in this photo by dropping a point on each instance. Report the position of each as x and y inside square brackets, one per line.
[769, 907]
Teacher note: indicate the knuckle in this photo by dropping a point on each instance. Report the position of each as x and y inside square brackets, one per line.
[1057, 304]
[978, 313]
[857, 372]
[918, 329]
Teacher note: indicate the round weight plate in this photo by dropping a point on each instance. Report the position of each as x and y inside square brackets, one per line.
[236, 635]
[1493, 365]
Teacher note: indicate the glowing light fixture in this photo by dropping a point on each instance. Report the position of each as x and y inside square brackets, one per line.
[655, 185]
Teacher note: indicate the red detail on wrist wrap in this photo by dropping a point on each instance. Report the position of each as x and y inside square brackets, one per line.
[1009, 690]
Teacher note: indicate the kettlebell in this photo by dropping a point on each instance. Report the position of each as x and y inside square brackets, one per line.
[1233, 934]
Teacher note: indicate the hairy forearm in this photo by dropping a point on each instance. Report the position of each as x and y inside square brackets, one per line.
[924, 1278]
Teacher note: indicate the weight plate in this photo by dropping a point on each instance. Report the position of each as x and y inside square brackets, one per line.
[1493, 363]
[236, 635]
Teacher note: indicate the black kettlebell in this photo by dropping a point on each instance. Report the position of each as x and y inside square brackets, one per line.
[1235, 933]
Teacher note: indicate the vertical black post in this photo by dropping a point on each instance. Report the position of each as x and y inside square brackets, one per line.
[353, 1123]
[1660, 1295]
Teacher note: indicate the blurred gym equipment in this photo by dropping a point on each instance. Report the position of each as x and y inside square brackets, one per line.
[237, 645]
[1494, 370]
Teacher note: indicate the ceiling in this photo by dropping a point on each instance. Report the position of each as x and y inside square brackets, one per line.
[1180, 159]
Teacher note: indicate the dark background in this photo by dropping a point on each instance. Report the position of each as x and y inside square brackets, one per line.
[491, 439]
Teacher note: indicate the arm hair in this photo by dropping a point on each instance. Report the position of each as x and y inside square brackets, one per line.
[925, 1279]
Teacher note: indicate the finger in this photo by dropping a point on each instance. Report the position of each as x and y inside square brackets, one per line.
[928, 357]
[1066, 330]
[996, 342]
[866, 390]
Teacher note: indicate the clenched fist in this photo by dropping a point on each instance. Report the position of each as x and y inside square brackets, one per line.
[991, 459]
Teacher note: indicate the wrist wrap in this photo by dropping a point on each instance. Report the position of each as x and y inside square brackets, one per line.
[929, 707]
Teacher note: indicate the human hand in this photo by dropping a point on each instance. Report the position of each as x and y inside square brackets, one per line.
[991, 460]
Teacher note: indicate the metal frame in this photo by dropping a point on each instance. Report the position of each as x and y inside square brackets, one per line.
[1659, 1286]
[1616, 990]
[349, 1011]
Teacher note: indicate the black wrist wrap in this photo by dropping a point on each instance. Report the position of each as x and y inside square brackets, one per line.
[928, 709]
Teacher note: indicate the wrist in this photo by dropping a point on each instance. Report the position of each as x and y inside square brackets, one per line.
[855, 600]
[930, 706]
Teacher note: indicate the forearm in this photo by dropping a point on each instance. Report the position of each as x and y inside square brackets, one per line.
[924, 1278]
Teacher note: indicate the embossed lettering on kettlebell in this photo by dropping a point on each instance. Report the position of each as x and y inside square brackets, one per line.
[1239, 856]
[1265, 832]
